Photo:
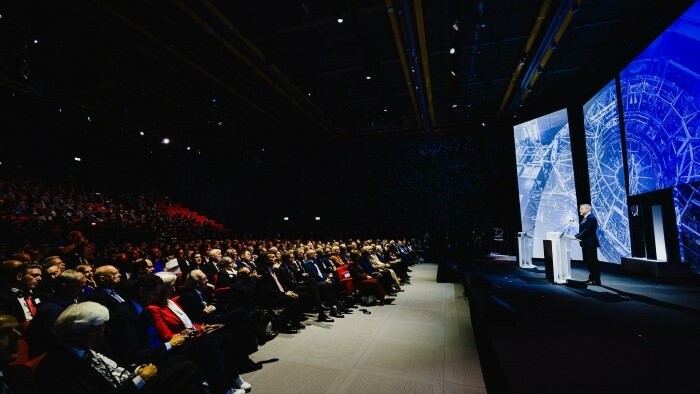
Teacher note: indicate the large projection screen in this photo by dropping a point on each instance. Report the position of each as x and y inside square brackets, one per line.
[546, 185]
[660, 99]
[687, 204]
[606, 174]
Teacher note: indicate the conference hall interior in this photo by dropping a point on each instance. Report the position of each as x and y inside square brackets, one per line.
[349, 196]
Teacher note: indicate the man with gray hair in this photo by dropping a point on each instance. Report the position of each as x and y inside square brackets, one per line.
[76, 368]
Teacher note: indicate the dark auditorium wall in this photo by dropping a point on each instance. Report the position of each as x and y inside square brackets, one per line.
[437, 182]
[452, 184]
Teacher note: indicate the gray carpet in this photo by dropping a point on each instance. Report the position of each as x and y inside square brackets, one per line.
[422, 344]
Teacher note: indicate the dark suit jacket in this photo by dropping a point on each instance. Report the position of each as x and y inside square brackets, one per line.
[20, 379]
[133, 337]
[105, 299]
[192, 305]
[10, 303]
[587, 232]
[62, 371]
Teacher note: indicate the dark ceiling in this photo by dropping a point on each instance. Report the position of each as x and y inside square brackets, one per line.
[215, 74]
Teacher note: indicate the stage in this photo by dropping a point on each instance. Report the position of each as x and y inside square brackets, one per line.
[635, 333]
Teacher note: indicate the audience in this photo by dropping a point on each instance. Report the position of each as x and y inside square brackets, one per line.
[200, 334]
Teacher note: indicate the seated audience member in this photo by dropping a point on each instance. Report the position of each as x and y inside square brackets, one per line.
[45, 290]
[273, 295]
[8, 271]
[170, 319]
[362, 280]
[107, 278]
[325, 285]
[90, 284]
[133, 337]
[72, 250]
[335, 257]
[196, 301]
[41, 335]
[141, 267]
[18, 298]
[227, 272]
[16, 379]
[384, 277]
[307, 289]
[74, 367]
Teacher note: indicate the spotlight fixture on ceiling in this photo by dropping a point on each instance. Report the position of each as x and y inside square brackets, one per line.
[454, 105]
[368, 77]
[341, 19]
[455, 25]
[166, 141]
[141, 133]
[386, 109]
[452, 51]
[453, 72]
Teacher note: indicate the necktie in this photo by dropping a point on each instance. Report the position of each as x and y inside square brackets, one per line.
[30, 305]
[279, 285]
[116, 296]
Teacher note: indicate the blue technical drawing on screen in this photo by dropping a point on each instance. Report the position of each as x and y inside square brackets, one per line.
[686, 199]
[606, 174]
[546, 179]
[660, 95]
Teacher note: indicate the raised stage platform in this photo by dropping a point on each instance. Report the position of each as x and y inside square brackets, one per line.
[635, 333]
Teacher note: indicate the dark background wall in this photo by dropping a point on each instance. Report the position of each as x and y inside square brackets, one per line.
[452, 185]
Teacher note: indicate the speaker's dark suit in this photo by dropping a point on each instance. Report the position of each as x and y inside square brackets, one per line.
[588, 229]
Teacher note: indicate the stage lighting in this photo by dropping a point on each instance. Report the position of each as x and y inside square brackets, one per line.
[368, 77]
[188, 148]
[76, 158]
[166, 141]
[340, 20]
[454, 105]
[286, 218]
[141, 133]
[455, 25]
[452, 51]
[36, 41]
[318, 218]
[454, 74]
[386, 109]
[89, 119]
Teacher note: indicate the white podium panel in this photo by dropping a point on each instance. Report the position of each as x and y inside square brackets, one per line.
[561, 260]
[525, 250]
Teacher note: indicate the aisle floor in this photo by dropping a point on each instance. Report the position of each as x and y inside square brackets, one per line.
[422, 344]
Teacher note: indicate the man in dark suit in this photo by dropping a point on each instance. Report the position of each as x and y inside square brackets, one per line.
[588, 237]
[14, 378]
[75, 367]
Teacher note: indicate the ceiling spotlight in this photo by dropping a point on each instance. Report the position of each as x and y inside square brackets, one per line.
[483, 124]
[36, 41]
[309, 94]
[60, 110]
[454, 105]
[76, 158]
[213, 101]
[386, 109]
[455, 25]
[368, 77]
[166, 141]
[141, 133]
[452, 51]
[188, 148]
[220, 123]
[89, 119]
[454, 74]
[340, 20]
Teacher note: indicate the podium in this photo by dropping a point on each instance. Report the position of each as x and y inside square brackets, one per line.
[525, 250]
[556, 257]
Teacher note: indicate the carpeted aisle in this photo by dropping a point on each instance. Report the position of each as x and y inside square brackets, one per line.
[422, 344]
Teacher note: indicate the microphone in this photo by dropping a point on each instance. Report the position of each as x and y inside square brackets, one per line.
[565, 225]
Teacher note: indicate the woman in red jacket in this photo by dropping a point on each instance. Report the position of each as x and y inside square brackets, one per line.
[170, 319]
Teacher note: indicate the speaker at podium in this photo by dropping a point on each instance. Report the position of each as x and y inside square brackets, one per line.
[557, 259]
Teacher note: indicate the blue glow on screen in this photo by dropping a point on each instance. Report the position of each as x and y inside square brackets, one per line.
[686, 199]
[660, 96]
[606, 174]
[546, 185]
